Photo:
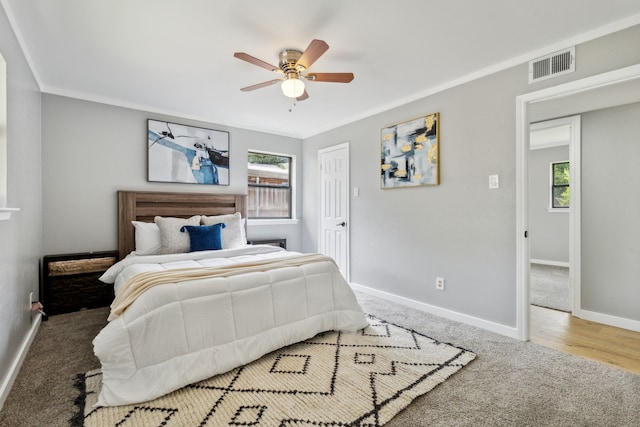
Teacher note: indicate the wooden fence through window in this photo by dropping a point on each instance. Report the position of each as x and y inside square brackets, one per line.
[268, 202]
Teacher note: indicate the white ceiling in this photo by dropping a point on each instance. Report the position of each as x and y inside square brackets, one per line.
[176, 57]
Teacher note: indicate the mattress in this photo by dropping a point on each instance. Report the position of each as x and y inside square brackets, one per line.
[182, 332]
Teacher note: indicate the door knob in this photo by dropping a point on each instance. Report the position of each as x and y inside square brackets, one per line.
[342, 224]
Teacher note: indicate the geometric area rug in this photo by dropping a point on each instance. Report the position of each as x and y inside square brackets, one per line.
[333, 379]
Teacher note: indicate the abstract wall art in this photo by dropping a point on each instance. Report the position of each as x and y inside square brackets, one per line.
[187, 154]
[410, 153]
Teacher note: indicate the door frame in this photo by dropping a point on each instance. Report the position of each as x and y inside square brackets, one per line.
[575, 168]
[321, 152]
[522, 175]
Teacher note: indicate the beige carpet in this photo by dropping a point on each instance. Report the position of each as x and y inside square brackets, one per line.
[362, 378]
[510, 382]
[549, 287]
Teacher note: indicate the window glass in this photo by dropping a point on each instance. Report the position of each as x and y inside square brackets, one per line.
[560, 190]
[269, 180]
[3, 132]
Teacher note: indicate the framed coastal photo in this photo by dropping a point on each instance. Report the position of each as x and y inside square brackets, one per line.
[187, 154]
[409, 153]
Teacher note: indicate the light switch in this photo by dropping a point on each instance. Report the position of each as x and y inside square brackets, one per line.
[356, 192]
[494, 181]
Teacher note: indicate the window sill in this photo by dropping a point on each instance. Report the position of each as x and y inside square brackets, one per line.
[5, 213]
[275, 221]
[558, 210]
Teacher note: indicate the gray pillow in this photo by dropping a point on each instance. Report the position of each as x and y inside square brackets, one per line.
[172, 240]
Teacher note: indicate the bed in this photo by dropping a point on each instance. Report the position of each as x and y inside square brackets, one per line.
[181, 317]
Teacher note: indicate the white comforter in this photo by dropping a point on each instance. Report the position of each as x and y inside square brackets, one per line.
[180, 333]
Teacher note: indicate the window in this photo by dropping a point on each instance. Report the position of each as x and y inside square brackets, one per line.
[270, 189]
[560, 190]
[3, 132]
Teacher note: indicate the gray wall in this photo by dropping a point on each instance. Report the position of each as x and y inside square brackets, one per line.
[21, 237]
[401, 239]
[548, 231]
[610, 279]
[92, 150]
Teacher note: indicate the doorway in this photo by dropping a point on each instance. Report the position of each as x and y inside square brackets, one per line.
[334, 205]
[614, 81]
[554, 152]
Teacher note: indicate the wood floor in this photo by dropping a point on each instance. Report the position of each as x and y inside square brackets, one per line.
[612, 346]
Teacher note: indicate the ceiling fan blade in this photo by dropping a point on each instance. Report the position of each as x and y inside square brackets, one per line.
[260, 85]
[302, 97]
[314, 51]
[255, 61]
[330, 77]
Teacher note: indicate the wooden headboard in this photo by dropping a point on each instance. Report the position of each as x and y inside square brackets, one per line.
[145, 205]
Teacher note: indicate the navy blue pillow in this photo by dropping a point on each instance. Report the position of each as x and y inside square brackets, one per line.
[204, 237]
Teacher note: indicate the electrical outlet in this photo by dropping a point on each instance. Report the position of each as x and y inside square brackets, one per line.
[30, 299]
[440, 283]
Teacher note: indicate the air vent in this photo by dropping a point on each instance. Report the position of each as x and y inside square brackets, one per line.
[552, 65]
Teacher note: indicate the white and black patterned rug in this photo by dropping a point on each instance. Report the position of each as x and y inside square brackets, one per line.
[332, 379]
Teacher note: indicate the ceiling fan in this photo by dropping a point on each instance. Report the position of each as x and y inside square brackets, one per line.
[293, 66]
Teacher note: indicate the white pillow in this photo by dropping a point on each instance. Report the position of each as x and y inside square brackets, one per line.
[233, 235]
[172, 240]
[147, 238]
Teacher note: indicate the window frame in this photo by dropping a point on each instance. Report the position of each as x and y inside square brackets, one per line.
[4, 169]
[553, 186]
[5, 212]
[291, 219]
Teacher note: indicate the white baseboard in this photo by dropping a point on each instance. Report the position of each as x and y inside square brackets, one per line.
[547, 262]
[508, 331]
[5, 388]
[607, 319]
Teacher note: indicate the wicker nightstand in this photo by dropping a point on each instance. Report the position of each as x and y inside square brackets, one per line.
[70, 282]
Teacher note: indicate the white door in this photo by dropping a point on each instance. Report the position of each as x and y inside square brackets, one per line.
[333, 239]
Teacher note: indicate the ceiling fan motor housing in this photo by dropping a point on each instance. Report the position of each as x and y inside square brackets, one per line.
[288, 60]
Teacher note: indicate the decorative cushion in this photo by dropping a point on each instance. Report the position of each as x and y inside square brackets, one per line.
[204, 237]
[233, 235]
[147, 237]
[172, 241]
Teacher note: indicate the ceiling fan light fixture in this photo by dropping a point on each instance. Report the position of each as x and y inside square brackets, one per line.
[292, 68]
[292, 87]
